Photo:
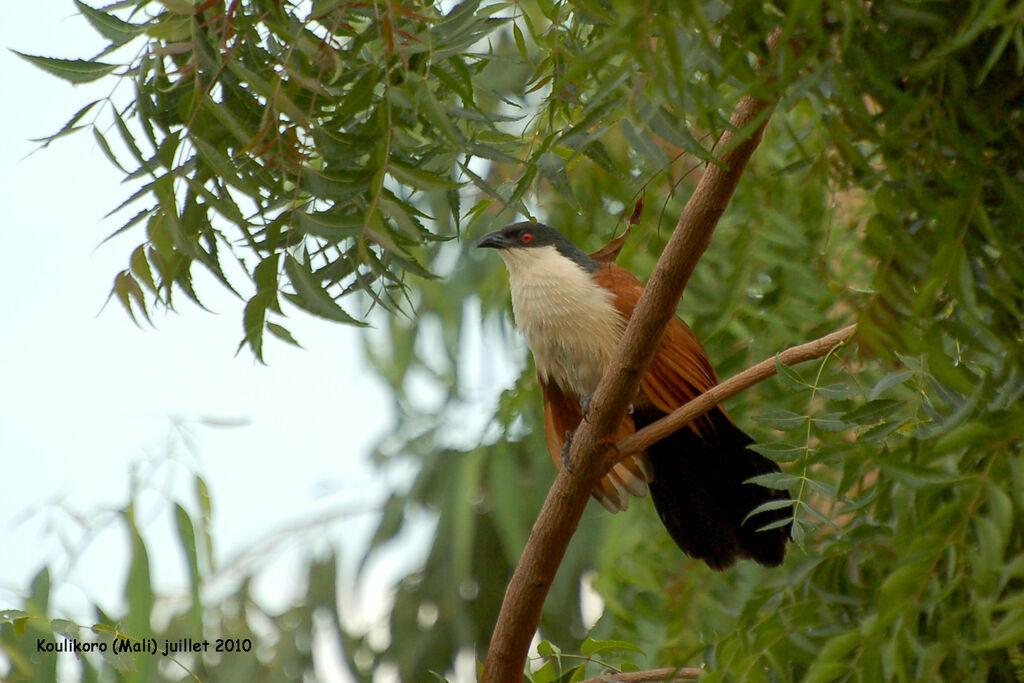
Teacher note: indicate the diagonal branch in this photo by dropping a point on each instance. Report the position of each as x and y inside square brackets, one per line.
[687, 413]
[524, 598]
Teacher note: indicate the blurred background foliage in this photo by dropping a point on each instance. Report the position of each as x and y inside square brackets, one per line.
[340, 159]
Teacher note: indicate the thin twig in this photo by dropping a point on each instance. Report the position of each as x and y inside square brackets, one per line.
[687, 413]
[669, 674]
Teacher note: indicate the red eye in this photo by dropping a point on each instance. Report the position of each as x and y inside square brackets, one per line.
[527, 237]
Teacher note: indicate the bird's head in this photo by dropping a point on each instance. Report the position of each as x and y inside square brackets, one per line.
[524, 244]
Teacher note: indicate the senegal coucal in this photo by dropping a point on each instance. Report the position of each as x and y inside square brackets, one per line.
[573, 309]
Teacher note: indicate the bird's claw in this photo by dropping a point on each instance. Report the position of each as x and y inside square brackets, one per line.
[566, 447]
[585, 406]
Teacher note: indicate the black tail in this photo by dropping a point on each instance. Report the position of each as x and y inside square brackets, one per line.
[699, 494]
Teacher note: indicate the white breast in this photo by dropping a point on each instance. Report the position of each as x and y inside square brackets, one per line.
[570, 323]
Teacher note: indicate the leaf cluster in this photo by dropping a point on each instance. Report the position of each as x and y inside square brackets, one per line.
[260, 644]
[333, 148]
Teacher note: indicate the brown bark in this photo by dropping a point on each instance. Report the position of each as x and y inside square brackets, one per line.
[686, 673]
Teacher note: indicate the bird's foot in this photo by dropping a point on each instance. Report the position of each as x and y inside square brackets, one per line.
[585, 406]
[566, 447]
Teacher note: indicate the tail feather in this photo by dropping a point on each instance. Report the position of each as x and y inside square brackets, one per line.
[698, 491]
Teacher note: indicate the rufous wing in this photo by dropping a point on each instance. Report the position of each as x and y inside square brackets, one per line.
[562, 415]
[699, 483]
[680, 369]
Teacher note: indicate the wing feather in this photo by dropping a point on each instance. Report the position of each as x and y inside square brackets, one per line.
[562, 414]
[680, 369]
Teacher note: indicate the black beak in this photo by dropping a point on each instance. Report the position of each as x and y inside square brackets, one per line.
[494, 240]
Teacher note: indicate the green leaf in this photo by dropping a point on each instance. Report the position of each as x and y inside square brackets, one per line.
[953, 375]
[644, 145]
[831, 655]
[482, 183]
[72, 70]
[39, 592]
[959, 436]
[409, 230]
[593, 647]
[781, 419]
[768, 507]
[202, 494]
[328, 224]
[133, 147]
[123, 662]
[889, 381]
[791, 379]
[411, 265]
[310, 296]
[9, 616]
[421, 180]
[224, 167]
[517, 35]
[138, 589]
[110, 27]
[553, 168]
[1009, 631]
[436, 115]
[127, 290]
[254, 317]
[264, 275]
[282, 333]
[991, 544]
[108, 152]
[664, 123]
[70, 126]
[544, 674]
[463, 516]
[546, 648]
[882, 430]
[68, 629]
[918, 476]
[829, 422]
[140, 268]
[187, 538]
[1001, 507]
[203, 497]
[779, 452]
[826, 672]
[392, 519]
[182, 7]
[872, 411]
[774, 480]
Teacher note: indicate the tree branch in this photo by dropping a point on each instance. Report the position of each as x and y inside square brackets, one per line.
[669, 674]
[687, 413]
[524, 598]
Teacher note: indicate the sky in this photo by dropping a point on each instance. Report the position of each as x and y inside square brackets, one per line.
[86, 396]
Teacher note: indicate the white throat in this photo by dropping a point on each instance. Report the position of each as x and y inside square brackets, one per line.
[569, 321]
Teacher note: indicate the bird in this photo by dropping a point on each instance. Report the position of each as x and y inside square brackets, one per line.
[572, 310]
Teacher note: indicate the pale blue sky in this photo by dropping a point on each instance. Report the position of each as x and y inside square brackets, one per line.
[84, 393]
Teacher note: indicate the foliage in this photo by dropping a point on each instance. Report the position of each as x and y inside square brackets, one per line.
[335, 149]
[244, 641]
